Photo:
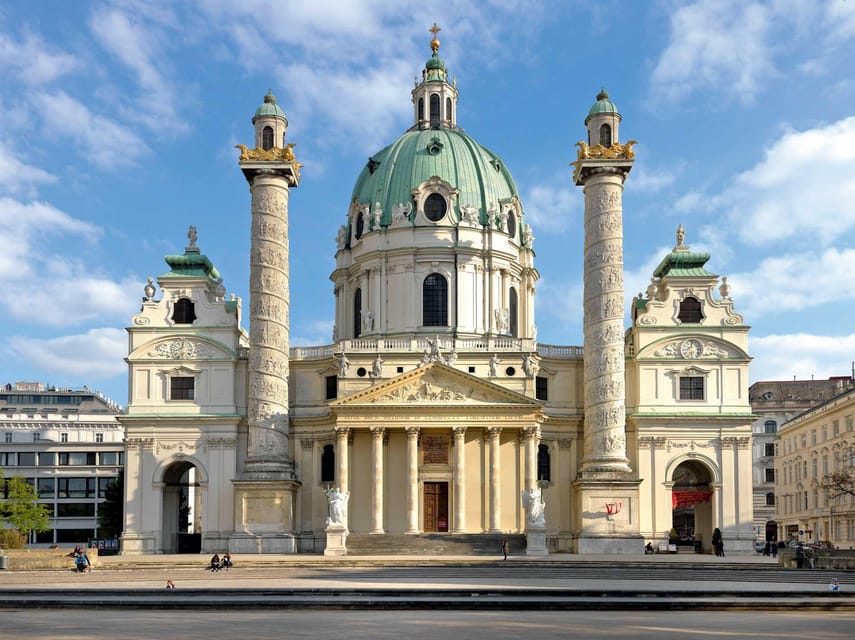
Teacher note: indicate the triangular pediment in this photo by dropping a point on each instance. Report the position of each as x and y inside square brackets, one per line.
[435, 384]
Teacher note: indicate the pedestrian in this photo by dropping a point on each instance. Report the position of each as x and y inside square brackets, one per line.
[82, 563]
[810, 554]
[215, 563]
[774, 549]
[834, 586]
[170, 585]
[506, 547]
[227, 561]
[717, 544]
[767, 549]
[800, 557]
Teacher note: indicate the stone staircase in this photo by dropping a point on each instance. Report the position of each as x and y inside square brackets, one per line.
[433, 544]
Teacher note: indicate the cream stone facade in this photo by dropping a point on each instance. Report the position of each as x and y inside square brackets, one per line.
[435, 409]
[810, 447]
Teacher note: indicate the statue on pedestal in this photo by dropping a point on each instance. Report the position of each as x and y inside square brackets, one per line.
[535, 507]
[338, 506]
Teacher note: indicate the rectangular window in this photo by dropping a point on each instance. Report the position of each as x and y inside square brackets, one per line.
[7, 437]
[75, 487]
[691, 388]
[770, 475]
[102, 486]
[813, 437]
[77, 458]
[44, 537]
[332, 387]
[47, 458]
[835, 428]
[181, 388]
[769, 449]
[73, 536]
[770, 499]
[46, 487]
[813, 468]
[75, 510]
[99, 437]
[27, 459]
[63, 437]
[541, 388]
[110, 457]
[37, 436]
[7, 459]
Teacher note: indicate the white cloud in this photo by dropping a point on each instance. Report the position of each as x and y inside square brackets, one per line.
[98, 353]
[23, 231]
[645, 178]
[840, 19]
[18, 178]
[106, 143]
[802, 188]
[718, 45]
[800, 356]
[773, 285]
[312, 334]
[552, 207]
[143, 46]
[32, 61]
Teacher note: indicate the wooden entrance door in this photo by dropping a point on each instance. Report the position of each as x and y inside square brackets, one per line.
[436, 506]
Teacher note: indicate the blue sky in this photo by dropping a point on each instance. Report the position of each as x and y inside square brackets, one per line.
[118, 121]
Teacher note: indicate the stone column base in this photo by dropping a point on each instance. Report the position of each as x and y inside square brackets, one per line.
[137, 544]
[336, 540]
[264, 516]
[596, 529]
[535, 541]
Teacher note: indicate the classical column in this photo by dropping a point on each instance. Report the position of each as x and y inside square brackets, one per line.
[267, 391]
[493, 434]
[377, 479]
[531, 436]
[412, 479]
[459, 480]
[603, 305]
[341, 453]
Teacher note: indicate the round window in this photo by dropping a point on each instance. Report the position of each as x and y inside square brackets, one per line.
[360, 226]
[435, 207]
[510, 371]
[512, 225]
[361, 372]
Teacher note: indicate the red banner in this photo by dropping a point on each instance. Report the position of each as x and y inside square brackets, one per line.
[688, 498]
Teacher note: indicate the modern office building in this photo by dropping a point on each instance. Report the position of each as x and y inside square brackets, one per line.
[69, 445]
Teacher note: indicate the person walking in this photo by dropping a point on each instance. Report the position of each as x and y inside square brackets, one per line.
[800, 557]
[506, 547]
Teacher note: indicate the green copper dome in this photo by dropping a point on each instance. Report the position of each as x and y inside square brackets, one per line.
[602, 105]
[269, 108]
[415, 157]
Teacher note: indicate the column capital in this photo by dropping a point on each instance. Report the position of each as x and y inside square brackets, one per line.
[378, 432]
[412, 432]
[459, 432]
[531, 432]
[493, 432]
[342, 431]
[307, 443]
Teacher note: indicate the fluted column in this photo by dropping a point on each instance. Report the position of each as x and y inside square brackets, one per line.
[531, 436]
[412, 479]
[341, 456]
[493, 434]
[377, 479]
[459, 480]
[267, 393]
[604, 381]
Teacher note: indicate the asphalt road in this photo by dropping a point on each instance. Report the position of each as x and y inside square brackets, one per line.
[414, 625]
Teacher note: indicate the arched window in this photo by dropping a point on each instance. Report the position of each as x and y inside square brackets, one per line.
[543, 463]
[360, 225]
[357, 313]
[434, 111]
[421, 109]
[184, 312]
[690, 311]
[513, 325]
[770, 426]
[435, 301]
[267, 138]
[448, 109]
[328, 464]
[606, 135]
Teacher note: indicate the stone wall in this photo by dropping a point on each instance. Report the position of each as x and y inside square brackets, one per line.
[41, 559]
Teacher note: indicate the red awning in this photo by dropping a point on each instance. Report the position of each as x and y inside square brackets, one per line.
[688, 498]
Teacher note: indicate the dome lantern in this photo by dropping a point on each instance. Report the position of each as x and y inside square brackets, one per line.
[603, 121]
[434, 99]
[270, 124]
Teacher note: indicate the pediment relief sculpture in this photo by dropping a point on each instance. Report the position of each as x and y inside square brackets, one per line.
[184, 349]
[691, 349]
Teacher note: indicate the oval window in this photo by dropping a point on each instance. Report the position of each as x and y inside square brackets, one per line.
[435, 207]
[512, 225]
[360, 226]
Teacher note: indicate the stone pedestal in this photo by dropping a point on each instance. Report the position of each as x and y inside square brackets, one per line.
[264, 516]
[597, 530]
[336, 540]
[535, 541]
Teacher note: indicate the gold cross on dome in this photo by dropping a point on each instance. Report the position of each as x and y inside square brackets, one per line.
[434, 29]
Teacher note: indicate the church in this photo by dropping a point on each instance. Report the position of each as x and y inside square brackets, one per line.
[435, 412]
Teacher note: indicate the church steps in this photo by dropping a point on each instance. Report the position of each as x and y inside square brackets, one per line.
[433, 544]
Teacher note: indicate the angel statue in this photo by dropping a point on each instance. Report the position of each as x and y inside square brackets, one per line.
[534, 507]
[338, 505]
